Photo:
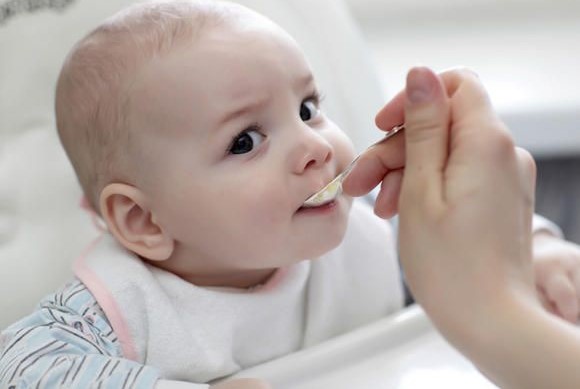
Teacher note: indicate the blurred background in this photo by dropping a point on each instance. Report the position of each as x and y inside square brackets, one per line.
[527, 53]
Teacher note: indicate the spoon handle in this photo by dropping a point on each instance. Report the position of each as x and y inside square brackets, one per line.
[388, 134]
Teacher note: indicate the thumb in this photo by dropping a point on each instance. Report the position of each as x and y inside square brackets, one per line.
[427, 121]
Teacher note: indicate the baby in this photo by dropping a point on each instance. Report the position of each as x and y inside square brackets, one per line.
[196, 132]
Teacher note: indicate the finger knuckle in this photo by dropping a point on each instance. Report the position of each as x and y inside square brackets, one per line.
[461, 72]
[422, 128]
[500, 143]
[527, 161]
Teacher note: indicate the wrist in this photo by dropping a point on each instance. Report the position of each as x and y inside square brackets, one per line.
[524, 346]
[487, 316]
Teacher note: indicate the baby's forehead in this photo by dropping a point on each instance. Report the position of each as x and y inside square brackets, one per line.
[210, 26]
[197, 85]
[224, 55]
[156, 26]
[228, 37]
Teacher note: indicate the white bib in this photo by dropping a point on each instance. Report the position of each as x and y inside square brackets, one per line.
[198, 334]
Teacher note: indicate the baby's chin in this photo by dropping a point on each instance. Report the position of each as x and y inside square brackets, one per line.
[323, 246]
[334, 237]
[316, 244]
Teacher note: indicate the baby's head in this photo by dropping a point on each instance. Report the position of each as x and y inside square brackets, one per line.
[95, 84]
[195, 131]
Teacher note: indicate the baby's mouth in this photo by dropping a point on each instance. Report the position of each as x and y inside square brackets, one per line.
[326, 204]
[328, 193]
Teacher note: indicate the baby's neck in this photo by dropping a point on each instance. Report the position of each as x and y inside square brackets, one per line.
[239, 280]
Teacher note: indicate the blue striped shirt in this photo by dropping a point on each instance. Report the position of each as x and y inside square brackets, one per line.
[68, 343]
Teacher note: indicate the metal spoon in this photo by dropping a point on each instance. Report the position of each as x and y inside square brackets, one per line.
[334, 188]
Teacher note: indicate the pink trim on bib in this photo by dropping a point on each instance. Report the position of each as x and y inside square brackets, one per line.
[106, 301]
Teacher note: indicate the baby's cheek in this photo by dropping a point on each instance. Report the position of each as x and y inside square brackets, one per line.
[269, 215]
[261, 206]
[343, 149]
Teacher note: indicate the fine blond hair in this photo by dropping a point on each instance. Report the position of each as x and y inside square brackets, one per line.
[92, 92]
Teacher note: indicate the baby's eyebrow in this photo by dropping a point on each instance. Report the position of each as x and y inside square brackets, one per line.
[243, 110]
[304, 81]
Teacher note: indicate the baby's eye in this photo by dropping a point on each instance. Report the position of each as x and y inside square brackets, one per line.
[309, 109]
[246, 141]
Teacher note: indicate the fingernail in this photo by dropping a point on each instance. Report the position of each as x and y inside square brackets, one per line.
[420, 85]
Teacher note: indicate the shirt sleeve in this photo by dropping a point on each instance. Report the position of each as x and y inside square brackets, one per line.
[68, 343]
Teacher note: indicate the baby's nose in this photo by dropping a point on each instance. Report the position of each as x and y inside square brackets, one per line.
[310, 151]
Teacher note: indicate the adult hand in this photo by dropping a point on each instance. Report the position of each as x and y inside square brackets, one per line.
[465, 205]
[557, 275]
[466, 199]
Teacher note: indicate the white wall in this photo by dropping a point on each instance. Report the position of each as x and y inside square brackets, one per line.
[526, 52]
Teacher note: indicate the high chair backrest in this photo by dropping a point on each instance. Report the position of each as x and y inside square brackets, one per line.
[42, 226]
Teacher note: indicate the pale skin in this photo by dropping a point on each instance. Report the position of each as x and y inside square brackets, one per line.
[557, 274]
[219, 150]
[556, 262]
[508, 300]
[181, 170]
[466, 203]
[176, 205]
[147, 217]
[181, 175]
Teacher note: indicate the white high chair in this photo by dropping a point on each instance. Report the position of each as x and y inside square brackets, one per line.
[42, 227]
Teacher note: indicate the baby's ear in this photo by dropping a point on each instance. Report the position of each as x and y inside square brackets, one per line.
[128, 218]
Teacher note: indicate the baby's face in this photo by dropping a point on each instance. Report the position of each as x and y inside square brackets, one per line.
[231, 142]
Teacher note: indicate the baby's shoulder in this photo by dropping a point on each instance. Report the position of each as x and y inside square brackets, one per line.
[73, 307]
[73, 296]
[74, 299]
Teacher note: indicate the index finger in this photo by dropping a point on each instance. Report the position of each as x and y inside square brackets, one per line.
[374, 164]
[393, 113]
